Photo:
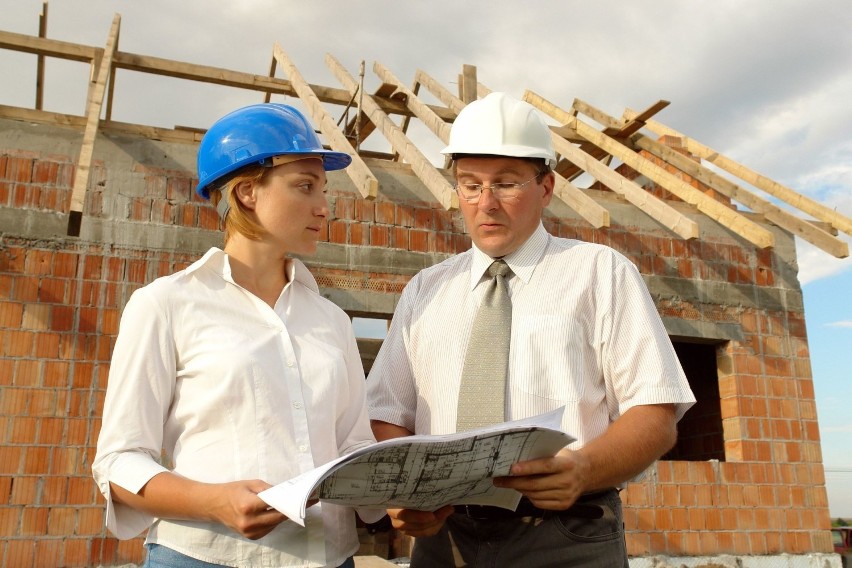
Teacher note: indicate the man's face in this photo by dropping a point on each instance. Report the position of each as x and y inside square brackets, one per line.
[500, 227]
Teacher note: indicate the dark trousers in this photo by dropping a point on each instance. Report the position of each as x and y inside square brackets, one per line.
[554, 539]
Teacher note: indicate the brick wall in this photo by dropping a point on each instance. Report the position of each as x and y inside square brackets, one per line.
[61, 299]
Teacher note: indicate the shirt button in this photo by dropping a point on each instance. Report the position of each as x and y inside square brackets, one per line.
[303, 448]
[290, 363]
[297, 404]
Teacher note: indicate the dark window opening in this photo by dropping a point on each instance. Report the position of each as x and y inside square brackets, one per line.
[699, 432]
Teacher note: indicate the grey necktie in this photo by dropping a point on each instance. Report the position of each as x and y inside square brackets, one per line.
[482, 393]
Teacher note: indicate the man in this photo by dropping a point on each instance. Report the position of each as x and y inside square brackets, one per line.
[584, 334]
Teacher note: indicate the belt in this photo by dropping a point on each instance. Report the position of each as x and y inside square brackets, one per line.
[581, 509]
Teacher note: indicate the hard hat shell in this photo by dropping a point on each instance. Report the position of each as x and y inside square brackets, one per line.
[501, 125]
[252, 134]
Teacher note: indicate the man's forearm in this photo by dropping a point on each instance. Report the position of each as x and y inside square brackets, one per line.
[386, 430]
[630, 444]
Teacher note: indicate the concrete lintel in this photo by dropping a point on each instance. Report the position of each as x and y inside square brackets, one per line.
[703, 330]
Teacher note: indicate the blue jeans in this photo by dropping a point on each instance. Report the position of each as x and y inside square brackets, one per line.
[163, 557]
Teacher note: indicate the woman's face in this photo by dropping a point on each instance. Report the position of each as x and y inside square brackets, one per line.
[291, 205]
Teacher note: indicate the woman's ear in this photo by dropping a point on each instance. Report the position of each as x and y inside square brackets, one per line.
[245, 193]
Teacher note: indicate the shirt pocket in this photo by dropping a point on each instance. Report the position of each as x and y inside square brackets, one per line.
[546, 358]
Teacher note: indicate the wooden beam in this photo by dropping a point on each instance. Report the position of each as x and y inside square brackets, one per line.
[191, 71]
[655, 208]
[453, 103]
[358, 172]
[800, 227]
[94, 102]
[638, 141]
[725, 216]
[361, 123]
[42, 33]
[426, 115]
[267, 96]
[467, 84]
[47, 47]
[782, 192]
[422, 168]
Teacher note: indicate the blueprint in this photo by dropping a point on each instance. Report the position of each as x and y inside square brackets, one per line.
[425, 472]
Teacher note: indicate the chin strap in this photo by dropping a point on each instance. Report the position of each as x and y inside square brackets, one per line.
[223, 207]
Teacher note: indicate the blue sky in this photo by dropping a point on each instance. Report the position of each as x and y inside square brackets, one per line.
[766, 82]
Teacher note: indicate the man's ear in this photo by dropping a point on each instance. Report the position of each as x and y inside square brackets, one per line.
[548, 182]
[245, 193]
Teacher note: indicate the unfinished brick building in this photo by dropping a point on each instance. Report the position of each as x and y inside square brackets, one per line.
[91, 209]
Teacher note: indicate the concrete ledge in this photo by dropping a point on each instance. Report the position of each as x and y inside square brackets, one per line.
[816, 560]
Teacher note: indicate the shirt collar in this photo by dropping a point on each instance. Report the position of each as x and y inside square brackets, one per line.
[217, 260]
[522, 262]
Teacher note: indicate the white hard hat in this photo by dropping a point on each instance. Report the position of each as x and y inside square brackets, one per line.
[501, 125]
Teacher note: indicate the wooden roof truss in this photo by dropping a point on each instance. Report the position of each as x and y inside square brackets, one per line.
[582, 148]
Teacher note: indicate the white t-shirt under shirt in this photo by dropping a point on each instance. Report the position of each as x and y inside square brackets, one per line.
[585, 334]
[232, 389]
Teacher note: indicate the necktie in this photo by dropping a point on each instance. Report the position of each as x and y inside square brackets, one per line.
[482, 393]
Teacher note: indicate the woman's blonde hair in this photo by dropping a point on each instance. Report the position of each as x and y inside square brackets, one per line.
[239, 219]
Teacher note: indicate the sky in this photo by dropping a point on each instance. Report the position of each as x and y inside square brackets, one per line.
[765, 82]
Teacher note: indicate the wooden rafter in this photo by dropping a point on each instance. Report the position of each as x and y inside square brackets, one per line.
[638, 141]
[192, 72]
[782, 192]
[426, 115]
[358, 172]
[717, 211]
[655, 208]
[422, 168]
[94, 102]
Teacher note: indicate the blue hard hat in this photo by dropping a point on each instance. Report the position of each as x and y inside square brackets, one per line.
[251, 135]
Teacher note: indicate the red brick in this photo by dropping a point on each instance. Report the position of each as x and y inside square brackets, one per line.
[344, 208]
[385, 211]
[404, 216]
[379, 236]
[424, 219]
[18, 169]
[61, 521]
[20, 553]
[419, 240]
[48, 552]
[364, 210]
[337, 232]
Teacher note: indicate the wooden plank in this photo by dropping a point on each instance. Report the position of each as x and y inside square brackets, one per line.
[42, 33]
[267, 97]
[453, 103]
[363, 126]
[358, 172]
[467, 84]
[782, 192]
[94, 102]
[638, 141]
[422, 168]
[47, 47]
[800, 227]
[613, 128]
[426, 115]
[725, 216]
[655, 208]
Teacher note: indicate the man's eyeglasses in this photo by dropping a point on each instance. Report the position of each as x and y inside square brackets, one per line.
[471, 192]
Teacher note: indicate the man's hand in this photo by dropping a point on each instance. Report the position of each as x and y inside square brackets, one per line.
[419, 523]
[550, 483]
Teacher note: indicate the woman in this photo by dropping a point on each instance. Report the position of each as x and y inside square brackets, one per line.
[235, 374]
